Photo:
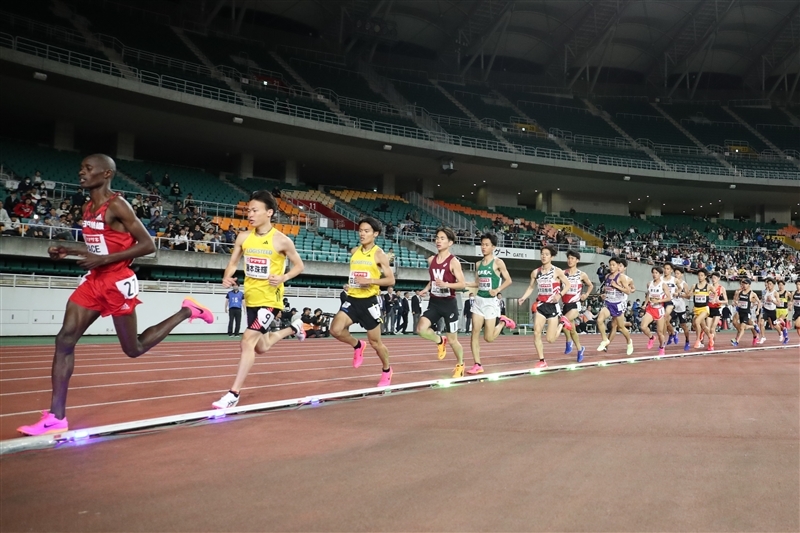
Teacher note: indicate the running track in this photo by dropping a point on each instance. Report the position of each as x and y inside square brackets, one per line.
[180, 377]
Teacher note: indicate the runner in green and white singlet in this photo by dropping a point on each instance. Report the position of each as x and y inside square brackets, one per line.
[491, 278]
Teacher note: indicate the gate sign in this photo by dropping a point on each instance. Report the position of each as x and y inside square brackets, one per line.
[511, 253]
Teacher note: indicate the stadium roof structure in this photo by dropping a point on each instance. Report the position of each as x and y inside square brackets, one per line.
[659, 39]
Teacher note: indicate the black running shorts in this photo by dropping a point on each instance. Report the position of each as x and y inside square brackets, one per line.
[366, 312]
[446, 308]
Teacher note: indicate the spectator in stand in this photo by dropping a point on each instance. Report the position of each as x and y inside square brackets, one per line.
[189, 204]
[14, 227]
[25, 209]
[175, 191]
[11, 202]
[181, 240]
[276, 192]
[24, 186]
[165, 181]
[5, 220]
[198, 236]
[37, 230]
[42, 208]
[602, 270]
[148, 178]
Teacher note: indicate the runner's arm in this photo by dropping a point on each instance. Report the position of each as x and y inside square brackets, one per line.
[455, 269]
[383, 261]
[667, 293]
[227, 277]
[286, 247]
[500, 265]
[588, 284]
[530, 288]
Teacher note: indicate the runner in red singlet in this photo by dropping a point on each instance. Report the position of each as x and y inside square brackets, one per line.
[113, 237]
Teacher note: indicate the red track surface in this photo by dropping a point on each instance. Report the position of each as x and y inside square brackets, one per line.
[181, 377]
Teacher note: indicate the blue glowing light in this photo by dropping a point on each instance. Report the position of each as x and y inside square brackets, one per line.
[81, 435]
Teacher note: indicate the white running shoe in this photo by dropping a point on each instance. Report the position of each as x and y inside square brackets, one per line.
[762, 340]
[629, 349]
[227, 401]
[297, 326]
[603, 345]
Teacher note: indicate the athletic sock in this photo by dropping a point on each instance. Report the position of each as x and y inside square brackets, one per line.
[234, 393]
[441, 339]
[386, 369]
[358, 345]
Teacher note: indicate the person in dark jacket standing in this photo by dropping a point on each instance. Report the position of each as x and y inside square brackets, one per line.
[468, 312]
[416, 311]
[404, 310]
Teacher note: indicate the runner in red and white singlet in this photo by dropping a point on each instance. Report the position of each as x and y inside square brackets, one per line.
[550, 281]
[113, 237]
[573, 299]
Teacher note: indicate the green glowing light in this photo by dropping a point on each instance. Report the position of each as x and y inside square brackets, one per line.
[493, 377]
[445, 383]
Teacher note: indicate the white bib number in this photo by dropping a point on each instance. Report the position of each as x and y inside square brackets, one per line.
[354, 276]
[439, 291]
[128, 287]
[375, 311]
[96, 244]
[485, 284]
[256, 267]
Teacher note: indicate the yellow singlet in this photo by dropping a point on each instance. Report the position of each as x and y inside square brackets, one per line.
[260, 260]
[363, 265]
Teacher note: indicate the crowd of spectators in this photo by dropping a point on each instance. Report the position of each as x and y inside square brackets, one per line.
[755, 255]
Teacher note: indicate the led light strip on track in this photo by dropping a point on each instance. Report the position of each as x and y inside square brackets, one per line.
[82, 435]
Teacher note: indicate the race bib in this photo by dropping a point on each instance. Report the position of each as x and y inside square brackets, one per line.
[128, 287]
[439, 291]
[485, 284]
[265, 317]
[256, 267]
[355, 275]
[701, 299]
[375, 311]
[96, 244]
[744, 305]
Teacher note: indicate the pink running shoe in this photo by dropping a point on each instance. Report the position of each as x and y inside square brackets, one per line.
[476, 369]
[198, 310]
[540, 364]
[661, 351]
[755, 341]
[510, 324]
[358, 354]
[386, 378]
[650, 343]
[45, 426]
[566, 323]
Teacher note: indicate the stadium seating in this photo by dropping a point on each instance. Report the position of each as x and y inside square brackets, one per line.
[396, 207]
[608, 152]
[429, 97]
[483, 218]
[773, 124]
[712, 125]
[340, 80]
[530, 140]
[55, 165]
[523, 213]
[568, 118]
[478, 105]
[348, 239]
[612, 222]
[690, 160]
[762, 163]
[204, 187]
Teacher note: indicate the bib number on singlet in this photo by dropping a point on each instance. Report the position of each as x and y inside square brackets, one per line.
[256, 267]
[96, 244]
[700, 299]
[354, 276]
[128, 287]
[439, 291]
[375, 311]
[485, 284]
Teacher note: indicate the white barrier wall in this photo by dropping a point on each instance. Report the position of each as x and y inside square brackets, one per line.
[39, 311]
